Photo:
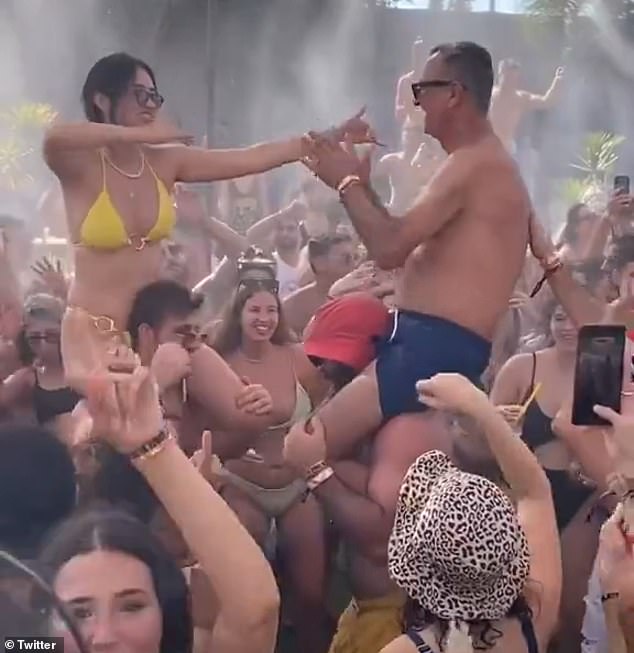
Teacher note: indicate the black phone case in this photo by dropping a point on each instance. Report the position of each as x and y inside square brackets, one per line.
[598, 376]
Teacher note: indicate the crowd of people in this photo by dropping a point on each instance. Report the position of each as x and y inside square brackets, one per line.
[343, 425]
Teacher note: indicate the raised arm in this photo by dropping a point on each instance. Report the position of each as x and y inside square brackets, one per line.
[403, 94]
[579, 304]
[231, 242]
[549, 98]
[197, 164]
[261, 233]
[239, 574]
[529, 485]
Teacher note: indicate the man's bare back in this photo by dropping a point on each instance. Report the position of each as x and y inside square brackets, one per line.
[468, 270]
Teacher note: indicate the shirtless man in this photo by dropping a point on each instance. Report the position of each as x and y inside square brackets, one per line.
[461, 246]
[330, 258]
[409, 169]
[405, 112]
[509, 104]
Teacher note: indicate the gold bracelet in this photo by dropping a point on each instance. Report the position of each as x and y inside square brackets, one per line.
[152, 447]
[315, 469]
[346, 182]
[313, 483]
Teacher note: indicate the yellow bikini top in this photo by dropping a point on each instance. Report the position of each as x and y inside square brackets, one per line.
[103, 227]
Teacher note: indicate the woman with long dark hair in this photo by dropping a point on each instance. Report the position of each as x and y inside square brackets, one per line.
[267, 495]
[123, 589]
[117, 171]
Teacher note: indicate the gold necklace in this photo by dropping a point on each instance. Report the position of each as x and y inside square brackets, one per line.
[129, 175]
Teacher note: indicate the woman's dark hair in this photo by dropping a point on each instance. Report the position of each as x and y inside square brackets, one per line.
[486, 635]
[111, 530]
[229, 334]
[111, 76]
[573, 218]
[120, 485]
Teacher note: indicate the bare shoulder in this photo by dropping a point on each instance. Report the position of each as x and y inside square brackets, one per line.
[520, 365]
[165, 159]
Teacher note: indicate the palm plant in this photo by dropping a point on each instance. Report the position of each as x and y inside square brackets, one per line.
[21, 128]
[595, 164]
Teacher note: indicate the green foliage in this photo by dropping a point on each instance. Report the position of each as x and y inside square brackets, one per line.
[599, 155]
[21, 129]
[595, 164]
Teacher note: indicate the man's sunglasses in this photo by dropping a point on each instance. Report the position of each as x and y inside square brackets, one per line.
[146, 96]
[419, 87]
[191, 338]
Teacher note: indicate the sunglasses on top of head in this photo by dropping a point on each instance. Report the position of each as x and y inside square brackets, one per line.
[270, 285]
[146, 96]
[419, 87]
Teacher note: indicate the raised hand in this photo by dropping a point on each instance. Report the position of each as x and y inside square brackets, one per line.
[452, 392]
[206, 462]
[356, 128]
[52, 276]
[171, 364]
[332, 162]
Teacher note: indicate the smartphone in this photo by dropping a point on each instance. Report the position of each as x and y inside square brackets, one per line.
[598, 372]
[622, 184]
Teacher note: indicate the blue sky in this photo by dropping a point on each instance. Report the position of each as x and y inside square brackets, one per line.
[510, 6]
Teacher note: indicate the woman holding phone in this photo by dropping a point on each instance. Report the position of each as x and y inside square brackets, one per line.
[530, 389]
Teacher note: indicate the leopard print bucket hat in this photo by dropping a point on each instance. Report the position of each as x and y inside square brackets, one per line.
[456, 546]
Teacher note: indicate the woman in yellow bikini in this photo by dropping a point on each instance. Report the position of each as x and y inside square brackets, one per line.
[117, 171]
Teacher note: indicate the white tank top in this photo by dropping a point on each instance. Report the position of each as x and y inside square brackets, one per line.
[287, 276]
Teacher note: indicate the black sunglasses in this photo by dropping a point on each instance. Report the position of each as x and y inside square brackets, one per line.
[51, 338]
[144, 96]
[270, 285]
[419, 87]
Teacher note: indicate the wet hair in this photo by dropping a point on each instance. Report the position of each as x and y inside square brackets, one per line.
[471, 65]
[157, 302]
[112, 530]
[573, 218]
[38, 487]
[415, 616]
[229, 334]
[111, 76]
